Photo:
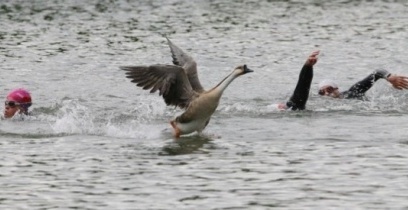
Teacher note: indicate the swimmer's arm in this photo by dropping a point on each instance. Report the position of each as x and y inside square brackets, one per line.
[365, 84]
[398, 82]
[301, 93]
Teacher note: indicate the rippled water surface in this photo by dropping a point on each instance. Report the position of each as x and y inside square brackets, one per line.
[96, 141]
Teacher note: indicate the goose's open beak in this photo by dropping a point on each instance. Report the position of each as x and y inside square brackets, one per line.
[247, 70]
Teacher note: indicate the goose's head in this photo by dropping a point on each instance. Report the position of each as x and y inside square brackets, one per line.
[241, 70]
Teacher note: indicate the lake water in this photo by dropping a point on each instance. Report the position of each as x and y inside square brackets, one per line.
[96, 141]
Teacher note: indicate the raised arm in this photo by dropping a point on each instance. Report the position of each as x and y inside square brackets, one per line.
[299, 98]
[360, 88]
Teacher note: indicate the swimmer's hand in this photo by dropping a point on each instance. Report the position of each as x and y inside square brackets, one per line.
[312, 59]
[398, 82]
[282, 106]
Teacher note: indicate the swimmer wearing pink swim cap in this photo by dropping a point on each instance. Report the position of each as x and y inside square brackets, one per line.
[17, 101]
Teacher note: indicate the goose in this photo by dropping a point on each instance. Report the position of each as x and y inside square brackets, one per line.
[179, 86]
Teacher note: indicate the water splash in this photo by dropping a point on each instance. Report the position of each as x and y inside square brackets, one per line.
[75, 117]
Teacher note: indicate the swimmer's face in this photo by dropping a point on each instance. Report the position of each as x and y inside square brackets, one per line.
[10, 109]
[329, 91]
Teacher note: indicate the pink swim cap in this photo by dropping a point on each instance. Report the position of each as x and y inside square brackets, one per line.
[21, 96]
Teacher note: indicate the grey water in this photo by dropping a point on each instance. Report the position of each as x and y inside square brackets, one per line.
[96, 141]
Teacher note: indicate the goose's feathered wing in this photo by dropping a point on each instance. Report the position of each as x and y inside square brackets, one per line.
[171, 82]
[184, 60]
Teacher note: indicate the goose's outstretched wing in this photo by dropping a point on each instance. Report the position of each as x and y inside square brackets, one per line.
[182, 59]
[171, 81]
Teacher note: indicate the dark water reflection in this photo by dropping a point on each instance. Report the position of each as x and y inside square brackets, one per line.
[187, 145]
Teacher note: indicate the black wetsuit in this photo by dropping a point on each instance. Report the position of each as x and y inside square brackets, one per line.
[358, 90]
[299, 98]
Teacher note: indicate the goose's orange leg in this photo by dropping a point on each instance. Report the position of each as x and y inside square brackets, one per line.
[177, 131]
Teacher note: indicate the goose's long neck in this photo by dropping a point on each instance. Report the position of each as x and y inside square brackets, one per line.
[224, 83]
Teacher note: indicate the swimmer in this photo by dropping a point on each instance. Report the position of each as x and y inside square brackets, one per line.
[17, 102]
[358, 90]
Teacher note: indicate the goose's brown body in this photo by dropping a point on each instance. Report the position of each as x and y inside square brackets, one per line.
[179, 86]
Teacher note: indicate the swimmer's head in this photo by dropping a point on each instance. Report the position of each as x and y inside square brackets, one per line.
[329, 88]
[17, 100]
